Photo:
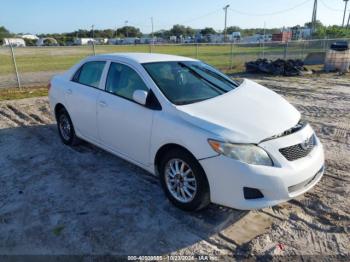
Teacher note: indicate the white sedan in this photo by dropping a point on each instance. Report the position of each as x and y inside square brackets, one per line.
[208, 138]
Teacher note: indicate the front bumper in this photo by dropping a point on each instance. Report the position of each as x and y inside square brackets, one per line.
[286, 180]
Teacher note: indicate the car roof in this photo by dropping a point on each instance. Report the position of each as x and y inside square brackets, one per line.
[144, 57]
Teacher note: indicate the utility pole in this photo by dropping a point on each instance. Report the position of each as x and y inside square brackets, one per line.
[93, 40]
[152, 30]
[314, 17]
[152, 40]
[225, 31]
[347, 25]
[346, 5]
[263, 47]
[126, 28]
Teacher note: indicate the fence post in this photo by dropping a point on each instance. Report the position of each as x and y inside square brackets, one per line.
[15, 66]
[93, 47]
[285, 50]
[263, 49]
[231, 56]
[303, 50]
[197, 47]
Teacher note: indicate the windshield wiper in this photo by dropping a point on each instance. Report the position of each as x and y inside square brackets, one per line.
[215, 75]
[186, 102]
[202, 78]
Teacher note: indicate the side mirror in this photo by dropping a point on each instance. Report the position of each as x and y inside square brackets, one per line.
[140, 97]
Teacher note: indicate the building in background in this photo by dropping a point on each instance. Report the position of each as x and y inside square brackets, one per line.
[47, 41]
[29, 37]
[101, 41]
[148, 40]
[130, 41]
[173, 39]
[84, 41]
[235, 37]
[300, 33]
[215, 38]
[256, 39]
[114, 41]
[16, 42]
[283, 36]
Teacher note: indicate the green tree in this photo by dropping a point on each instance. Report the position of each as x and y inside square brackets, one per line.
[190, 31]
[232, 29]
[162, 33]
[332, 31]
[129, 31]
[208, 31]
[181, 30]
[4, 33]
[30, 42]
[178, 30]
[318, 24]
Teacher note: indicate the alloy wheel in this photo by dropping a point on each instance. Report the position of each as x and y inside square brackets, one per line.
[65, 127]
[180, 180]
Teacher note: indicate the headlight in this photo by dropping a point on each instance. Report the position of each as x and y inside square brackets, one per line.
[249, 154]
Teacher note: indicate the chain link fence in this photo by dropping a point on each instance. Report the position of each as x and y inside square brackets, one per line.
[36, 65]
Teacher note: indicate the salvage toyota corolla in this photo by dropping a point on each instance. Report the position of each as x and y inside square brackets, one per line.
[208, 138]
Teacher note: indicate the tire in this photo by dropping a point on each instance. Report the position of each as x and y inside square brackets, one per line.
[195, 178]
[65, 128]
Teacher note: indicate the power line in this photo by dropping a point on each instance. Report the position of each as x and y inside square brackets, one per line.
[152, 28]
[232, 10]
[330, 8]
[272, 13]
[168, 25]
[202, 16]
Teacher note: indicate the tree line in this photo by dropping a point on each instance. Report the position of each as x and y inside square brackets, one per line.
[322, 31]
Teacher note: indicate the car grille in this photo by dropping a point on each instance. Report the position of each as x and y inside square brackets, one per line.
[298, 151]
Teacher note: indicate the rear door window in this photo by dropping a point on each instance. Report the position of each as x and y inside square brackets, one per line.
[90, 73]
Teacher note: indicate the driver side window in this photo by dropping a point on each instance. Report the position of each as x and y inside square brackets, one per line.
[123, 81]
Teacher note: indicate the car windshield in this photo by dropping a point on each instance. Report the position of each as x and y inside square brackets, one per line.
[189, 82]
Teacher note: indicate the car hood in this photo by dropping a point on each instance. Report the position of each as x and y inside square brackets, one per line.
[248, 114]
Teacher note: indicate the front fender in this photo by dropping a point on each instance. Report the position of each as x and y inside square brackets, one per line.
[174, 130]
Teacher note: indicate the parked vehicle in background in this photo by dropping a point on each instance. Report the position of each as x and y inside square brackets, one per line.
[235, 37]
[209, 138]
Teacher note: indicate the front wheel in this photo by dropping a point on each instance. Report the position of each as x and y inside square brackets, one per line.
[184, 181]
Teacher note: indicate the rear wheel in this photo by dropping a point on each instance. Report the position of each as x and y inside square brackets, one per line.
[65, 128]
[184, 180]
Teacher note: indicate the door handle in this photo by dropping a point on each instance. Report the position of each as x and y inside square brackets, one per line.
[69, 91]
[102, 104]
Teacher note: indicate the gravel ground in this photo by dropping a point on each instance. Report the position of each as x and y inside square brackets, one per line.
[60, 200]
[27, 79]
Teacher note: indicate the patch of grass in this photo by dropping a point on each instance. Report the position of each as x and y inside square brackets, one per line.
[34, 59]
[26, 92]
[57, 230]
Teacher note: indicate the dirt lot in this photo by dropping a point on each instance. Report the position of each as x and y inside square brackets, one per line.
[60, 200]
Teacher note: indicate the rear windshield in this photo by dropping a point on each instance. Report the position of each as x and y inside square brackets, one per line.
[189, 82]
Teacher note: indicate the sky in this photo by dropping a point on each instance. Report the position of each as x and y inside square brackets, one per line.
[57, 16]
